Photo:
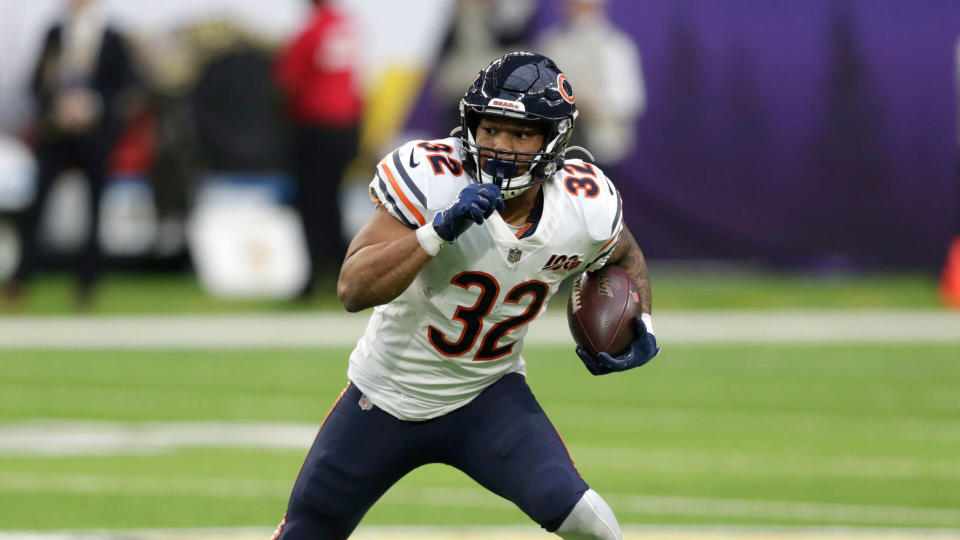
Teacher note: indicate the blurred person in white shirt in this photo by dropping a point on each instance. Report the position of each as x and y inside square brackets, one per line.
[606, 64]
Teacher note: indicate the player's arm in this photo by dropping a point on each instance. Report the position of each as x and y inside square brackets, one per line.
[382, 260]
[386, 255]
[628, 256]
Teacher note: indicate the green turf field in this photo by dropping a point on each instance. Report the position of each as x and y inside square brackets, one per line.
[805, 435]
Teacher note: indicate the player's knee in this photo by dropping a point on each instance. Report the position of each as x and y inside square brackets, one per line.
[548, 501]
[590, 519]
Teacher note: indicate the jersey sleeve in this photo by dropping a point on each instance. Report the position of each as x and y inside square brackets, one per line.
[603, 215]
[397, 186]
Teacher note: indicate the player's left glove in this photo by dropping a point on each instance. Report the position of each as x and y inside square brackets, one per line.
[474, 204]
[641, 350]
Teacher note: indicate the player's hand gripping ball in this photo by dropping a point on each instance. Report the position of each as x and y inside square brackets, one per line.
[474, 204]
[604, 317]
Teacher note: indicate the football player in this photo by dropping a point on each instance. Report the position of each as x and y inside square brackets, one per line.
[470, 238]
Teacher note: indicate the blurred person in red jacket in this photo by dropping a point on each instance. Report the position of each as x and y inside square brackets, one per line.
[318, 73]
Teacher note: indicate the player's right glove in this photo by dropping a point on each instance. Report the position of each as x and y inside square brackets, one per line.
[475, 203]
[641, 350]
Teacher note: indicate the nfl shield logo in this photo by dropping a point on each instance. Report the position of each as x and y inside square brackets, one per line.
[513, 255]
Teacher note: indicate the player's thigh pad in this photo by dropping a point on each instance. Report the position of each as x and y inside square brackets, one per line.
[511, 448]
[356, 457]
[590, 519]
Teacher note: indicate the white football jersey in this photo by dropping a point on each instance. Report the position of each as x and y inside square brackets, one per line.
[460, 325]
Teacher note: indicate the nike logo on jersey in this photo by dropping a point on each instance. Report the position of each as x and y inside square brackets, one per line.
[412, 164]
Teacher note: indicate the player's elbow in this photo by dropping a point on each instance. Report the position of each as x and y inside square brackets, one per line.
[350, 297]
[358, 295]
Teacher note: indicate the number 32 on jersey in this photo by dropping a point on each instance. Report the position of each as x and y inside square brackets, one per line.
[472, 317]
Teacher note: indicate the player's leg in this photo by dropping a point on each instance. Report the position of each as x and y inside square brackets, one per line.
[307, 167]
[51, 161]
[339, 149]
[510, 447]
[90, 262]
[355, 458]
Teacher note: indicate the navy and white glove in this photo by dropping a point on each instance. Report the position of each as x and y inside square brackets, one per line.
[641, 350]
[475, 203]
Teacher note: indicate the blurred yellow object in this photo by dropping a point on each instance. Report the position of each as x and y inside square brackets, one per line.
[389, 103]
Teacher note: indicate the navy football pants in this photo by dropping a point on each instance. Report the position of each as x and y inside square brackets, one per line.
[502, 439]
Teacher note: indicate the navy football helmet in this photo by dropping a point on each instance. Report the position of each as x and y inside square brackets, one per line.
[526, 86]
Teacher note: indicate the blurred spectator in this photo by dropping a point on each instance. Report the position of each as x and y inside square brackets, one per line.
[319, 74]
[235, 105]
[217, 117]
[480, 30]
[603, 64]
[79, 85]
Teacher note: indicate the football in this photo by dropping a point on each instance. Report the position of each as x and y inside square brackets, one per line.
[601, 308]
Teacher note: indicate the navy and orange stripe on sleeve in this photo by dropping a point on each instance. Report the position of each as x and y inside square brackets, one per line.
[404, 201]
[387, 200]
[405, 176]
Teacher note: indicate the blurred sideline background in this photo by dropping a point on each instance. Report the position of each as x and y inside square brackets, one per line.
[819, 141]
[789, 169]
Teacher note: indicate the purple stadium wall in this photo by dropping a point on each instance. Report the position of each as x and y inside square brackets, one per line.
[817, 135]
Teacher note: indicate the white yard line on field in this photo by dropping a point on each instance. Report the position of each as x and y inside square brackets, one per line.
[92, 437]
[446, 497]
[343, 329]
[62, 438]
